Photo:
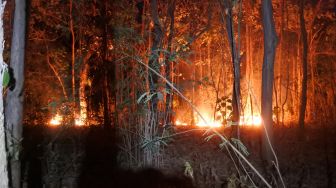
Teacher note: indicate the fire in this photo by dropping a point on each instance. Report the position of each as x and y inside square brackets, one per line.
[209, 121]
[56, 120]
[80, 121]
[180, 123]
[249, 120]
[246, 120]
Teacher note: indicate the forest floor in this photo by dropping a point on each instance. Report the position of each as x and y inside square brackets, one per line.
[306, 162]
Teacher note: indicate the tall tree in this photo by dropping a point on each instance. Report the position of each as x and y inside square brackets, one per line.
[14, 99]
[235, 61]
[154, 57]
[3, 70]
[303, 99]
[270, 42]
[170, 61]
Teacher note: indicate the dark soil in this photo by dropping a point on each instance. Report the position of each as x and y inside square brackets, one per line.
[310, 162]
[88, 157]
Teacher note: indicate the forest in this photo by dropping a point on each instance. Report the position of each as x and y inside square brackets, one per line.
[168, 93]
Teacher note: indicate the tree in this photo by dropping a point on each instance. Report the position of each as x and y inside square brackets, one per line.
[303, 99]
[14, 99]
[3, 71]
[170, 61]
[154, 57]
[270, 42]
[236, 64]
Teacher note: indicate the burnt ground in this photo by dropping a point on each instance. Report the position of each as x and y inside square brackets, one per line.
[87, 158]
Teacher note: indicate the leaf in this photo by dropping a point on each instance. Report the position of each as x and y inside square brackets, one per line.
[188, 171]
[221, 145]
[209, 137]
[53, 104]
[240, 146]
[5, 79]
[141, 97]
[149, 97]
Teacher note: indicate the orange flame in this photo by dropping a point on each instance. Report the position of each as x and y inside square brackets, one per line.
[56, 120]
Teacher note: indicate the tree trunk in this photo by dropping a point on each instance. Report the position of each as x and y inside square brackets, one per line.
[303, 99]
[236, 67]
[73, 80]
[14, 99]
[154, 57]
[270, 42]
[106, 65]
[3, 153]
[169, 63]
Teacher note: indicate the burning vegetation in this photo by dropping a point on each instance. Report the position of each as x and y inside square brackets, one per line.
[112, 87]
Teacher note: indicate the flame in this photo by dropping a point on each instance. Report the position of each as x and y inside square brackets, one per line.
[80, 121]
[249, 120]
[246, 120]
[56, 120]
[208, 121]
[180, 123]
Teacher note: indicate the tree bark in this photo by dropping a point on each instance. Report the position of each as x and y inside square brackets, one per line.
[154, 58]
[3, 154]
[236, 66]
[106, 65]
[303, 99]
[169, 63]
[270, 42]
[14, 99]
[73, 80]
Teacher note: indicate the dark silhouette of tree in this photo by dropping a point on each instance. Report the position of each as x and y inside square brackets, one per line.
[154, 57]
[270, 42]
[303, 99]
[169, 63]
[236, 64]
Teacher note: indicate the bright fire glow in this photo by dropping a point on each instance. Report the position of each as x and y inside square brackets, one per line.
[249, 120]
[209, 121]
[79, 121]
[56, 120]
[246, 120]
[180, 123]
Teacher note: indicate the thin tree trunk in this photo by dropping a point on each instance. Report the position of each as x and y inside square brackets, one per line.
[3, 154]
[73, 80]
[169, 63]
[154, 58]
[106, 65]
[14, 99]
[57, 75]
[236, 67]
[270, 42]
[303, 99]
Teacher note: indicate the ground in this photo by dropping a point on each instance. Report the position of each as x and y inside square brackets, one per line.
[310, 162]
[307, 163]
